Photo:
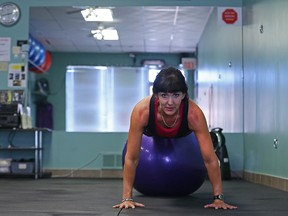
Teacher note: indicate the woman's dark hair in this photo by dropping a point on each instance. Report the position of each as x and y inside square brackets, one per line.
[170, 80]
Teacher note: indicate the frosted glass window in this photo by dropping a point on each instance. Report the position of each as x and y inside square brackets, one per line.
[152, 74]
[100, 99]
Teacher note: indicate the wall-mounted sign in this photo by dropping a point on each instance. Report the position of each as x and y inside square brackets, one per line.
[230, 15]
[189, 63]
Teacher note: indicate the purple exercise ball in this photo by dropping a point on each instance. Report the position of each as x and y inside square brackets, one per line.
[169, 166]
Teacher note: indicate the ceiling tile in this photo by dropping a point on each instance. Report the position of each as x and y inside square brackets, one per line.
[140, 29]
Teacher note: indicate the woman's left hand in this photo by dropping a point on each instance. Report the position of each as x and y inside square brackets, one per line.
[219, 204]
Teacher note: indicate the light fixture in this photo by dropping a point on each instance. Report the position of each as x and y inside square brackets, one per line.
[97, 34]
[105, 34]
[97, 14]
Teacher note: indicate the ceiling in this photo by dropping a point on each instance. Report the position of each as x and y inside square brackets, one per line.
[169, 29]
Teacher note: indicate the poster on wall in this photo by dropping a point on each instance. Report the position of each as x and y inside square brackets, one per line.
[17, 75]
[5, 52]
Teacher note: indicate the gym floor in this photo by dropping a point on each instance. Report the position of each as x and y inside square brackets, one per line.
[76, 197]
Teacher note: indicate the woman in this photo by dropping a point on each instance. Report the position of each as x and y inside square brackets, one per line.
[169, 113]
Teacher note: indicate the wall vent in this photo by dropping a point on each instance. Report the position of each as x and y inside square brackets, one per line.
[112, 161]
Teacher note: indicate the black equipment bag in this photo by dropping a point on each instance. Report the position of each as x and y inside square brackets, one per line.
[220, 149]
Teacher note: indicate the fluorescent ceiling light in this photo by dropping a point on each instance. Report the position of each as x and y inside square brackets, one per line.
[97, 15]
[110, 34]
[105, 34]
[97, 34]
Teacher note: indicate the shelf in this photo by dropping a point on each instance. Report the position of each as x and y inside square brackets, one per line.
[24, 130]
[25, 175]
[36, 148]
[18, 176]
[20, 148]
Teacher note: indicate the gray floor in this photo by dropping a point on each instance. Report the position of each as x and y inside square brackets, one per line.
[71, 197]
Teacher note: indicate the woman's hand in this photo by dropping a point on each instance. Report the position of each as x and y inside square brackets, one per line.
[128, 204]
[219, 204]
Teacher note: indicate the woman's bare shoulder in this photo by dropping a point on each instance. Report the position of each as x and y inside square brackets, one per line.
[193, 107]
[195, 115]
[140, 112]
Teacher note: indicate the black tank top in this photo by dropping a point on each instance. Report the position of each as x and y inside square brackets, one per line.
[150, 129]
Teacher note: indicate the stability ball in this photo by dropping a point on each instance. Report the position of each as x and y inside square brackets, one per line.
[169, 167]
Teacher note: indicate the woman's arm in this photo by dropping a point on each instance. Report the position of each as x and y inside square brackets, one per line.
[138, 120]
[198, 124]
[132, 155]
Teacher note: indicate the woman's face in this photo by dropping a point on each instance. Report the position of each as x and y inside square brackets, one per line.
[169, 103]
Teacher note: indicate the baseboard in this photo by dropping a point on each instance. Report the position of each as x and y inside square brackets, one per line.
[237, 174]
[66, 173]
[270, 181]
